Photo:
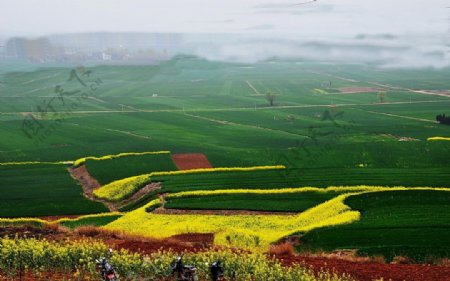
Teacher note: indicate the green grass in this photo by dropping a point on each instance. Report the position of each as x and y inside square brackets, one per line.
[409, 223]
[106, 171]
[42, 190]
[293, 202]
[295, 177]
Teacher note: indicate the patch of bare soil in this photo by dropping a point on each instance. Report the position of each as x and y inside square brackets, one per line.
[355, 90]
[371, 270]
[89, 184]
[191, 161]
[139, 194]
[399, 138]
[55, 218]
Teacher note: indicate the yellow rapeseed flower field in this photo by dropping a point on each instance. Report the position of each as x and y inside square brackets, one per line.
[255, 232]
[121, 189]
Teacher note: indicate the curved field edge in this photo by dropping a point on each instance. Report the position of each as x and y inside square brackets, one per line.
[124, 188]
[81, 220]
[411, 223]
[255, 232]
[83, 160]
[42, 255]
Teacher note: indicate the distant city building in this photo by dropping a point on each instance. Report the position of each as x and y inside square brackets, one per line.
[36, 50]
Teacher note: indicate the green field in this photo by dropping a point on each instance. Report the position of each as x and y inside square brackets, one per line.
[295, 202]
[106, 171]
[393, 223]
[298, 177]
[42, 190]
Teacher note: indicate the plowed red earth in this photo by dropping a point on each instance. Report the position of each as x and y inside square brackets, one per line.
[191, 161]
[178, 243]
[369, 271]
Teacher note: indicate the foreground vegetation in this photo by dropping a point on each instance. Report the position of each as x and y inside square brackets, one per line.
[77, 258]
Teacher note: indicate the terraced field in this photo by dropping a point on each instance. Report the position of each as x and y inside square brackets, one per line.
[292, 177]
[393, 223]
[106, 171]
[42, 190]
[253, 202]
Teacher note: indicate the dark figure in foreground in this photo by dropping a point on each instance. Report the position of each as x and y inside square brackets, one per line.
[183, 272]
[216, 271]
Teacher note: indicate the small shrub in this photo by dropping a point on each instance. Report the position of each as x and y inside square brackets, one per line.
[283, 249]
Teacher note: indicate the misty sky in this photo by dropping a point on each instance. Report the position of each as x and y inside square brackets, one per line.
[324, 17]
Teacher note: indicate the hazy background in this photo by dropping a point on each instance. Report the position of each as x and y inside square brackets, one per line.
[399, 33]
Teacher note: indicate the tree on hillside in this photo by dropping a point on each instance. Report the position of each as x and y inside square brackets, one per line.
[271, 98]
[443, 119]
[382, 97]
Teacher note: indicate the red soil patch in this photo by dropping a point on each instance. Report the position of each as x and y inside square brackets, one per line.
[191, 161]
[189, 242]
[354, 90]
[55, 218]
[149, 246]
[369, 270]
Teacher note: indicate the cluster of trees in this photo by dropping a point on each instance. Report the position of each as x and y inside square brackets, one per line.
[443, 119]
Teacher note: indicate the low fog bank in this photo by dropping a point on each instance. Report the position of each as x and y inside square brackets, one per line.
[382, 50]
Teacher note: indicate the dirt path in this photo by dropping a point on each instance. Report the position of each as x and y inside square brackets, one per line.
[223, 122]
[140, 193]
[89, 184]
[130, 134]
[257, 93]
[235, 108]
[396, 115]
[335, 76]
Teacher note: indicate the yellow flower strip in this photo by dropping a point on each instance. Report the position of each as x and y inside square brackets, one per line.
[101, 215]
[254, 232]
[81, 161]
[438, 139]
[36, 163]
[40, 222]
[5, 222]
[247, 231]
[121, 189]
[340, 189]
